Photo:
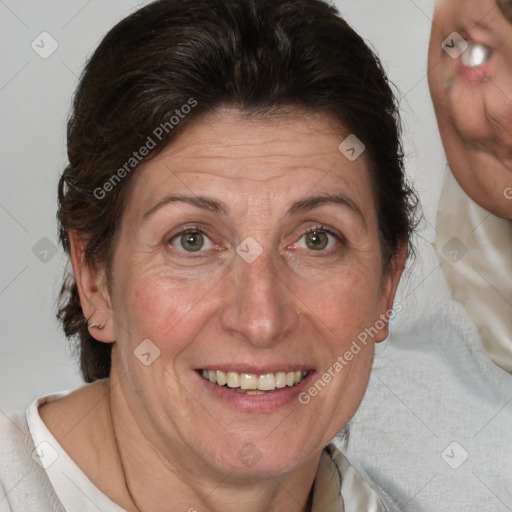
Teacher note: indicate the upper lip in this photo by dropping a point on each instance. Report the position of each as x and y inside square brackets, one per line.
[256, 370]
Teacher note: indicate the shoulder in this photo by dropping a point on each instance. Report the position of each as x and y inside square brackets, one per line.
[433, 386]
[15, 442]
[73, 418]
[14, 434]
[24, 484]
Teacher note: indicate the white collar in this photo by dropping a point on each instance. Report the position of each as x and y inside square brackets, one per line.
[337, 487]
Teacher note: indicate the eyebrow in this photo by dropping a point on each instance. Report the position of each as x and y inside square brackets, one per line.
[310, 203]
[304, 205]
[202, 202]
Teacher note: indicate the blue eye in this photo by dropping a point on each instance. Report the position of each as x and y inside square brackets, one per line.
[191, 241]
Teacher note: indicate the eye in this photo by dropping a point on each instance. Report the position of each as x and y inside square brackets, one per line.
[191, 240]
[318, 239]
[476, 55]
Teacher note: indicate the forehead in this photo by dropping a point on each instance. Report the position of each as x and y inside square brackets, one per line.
[291, 138]
[246, 159]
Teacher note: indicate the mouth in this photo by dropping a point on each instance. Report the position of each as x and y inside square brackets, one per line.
[254, 384]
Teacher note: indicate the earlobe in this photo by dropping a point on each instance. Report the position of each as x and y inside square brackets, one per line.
[92, 288]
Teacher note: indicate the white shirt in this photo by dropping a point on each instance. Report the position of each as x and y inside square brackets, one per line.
[37, 475]
[75, 491]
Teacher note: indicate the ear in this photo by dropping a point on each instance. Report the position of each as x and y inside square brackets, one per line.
[388, 291]
[93, 291]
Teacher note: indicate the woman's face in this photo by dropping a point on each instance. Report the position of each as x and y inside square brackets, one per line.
[248, 247]
[472, 95]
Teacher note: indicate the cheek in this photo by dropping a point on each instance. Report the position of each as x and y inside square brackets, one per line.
[466, 109]
[157, 306]
[498, 111]
[344, 302]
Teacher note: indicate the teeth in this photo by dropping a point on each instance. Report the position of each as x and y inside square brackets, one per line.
[248, 381]
[280, 380]
[222, 378]
[476, 55]
[267, 382]
[251, 384]
[233, 380]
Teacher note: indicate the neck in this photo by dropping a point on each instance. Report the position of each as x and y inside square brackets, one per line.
[154, 481]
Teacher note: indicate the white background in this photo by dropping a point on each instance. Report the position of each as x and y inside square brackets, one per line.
[35, 96]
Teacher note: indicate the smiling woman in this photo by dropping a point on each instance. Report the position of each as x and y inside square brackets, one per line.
[228, 272]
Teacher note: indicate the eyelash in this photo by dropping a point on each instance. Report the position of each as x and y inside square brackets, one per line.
[320, 227]
[190, 229]
[330, 231]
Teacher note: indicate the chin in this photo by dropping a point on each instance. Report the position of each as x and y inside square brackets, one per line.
[260, 455]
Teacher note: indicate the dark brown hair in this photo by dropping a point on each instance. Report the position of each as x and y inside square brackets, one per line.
[506, 9]
[257, 55]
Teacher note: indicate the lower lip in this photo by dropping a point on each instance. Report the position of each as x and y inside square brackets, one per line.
[475, 74]
[267, 402]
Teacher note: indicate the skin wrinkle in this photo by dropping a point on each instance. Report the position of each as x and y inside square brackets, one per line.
[286, 307]
[502, 125]
[212, 205]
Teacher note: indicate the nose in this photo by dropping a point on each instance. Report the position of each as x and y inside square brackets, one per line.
[259, 306]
